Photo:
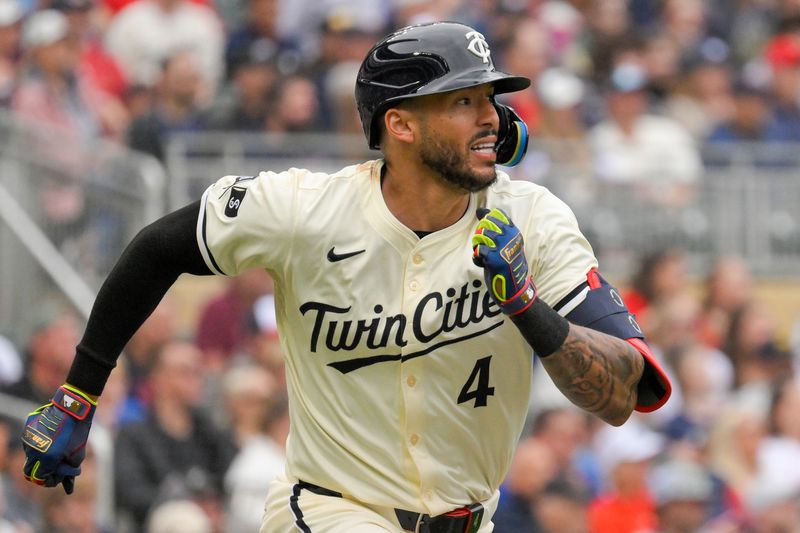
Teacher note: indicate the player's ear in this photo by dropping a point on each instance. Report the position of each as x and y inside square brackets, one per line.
[400, 125]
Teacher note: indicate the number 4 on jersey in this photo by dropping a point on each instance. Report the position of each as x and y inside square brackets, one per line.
[477, 386]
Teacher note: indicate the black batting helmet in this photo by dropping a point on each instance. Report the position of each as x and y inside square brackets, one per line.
[425, 59]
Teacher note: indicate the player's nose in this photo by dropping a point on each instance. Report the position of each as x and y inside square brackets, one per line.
[488, 115]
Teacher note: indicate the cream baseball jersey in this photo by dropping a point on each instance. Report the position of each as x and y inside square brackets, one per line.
[408, 387]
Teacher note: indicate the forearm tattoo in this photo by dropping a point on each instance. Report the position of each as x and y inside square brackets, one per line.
[597, 372]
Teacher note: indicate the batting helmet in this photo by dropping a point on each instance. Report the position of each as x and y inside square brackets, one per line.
[428, 59]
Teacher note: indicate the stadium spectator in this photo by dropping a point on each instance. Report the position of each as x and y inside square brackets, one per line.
[705, 383]
[532, 469]
[685, 23]
[733, 448]
[227, 323]
[176, 451]
[653, 155]
[300, 20]
[179, 516]
[76, 512]
[140, 356]
[566, 432]
[780, 452]
[258, 412]
[608, 29]
[339, 99]
[782, 54]
[702, 99]
[147, 33]
[560, 148]
[51, 90]
[49, 352]
[343, 44]
[661, 60]
[751, 120]
[10, 362]
[53, 95]
[294, 105]
[774, 512]
[727, 288]
[526, 53]
[176, 106]
[10, 23]
[19, 505]
[660, 275]
[753, 346]
[682, 491]
[562, 508]
[626, 454]
[95, 64]
[242, 105]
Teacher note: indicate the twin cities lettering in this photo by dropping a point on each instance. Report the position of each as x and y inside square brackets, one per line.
[435, 314]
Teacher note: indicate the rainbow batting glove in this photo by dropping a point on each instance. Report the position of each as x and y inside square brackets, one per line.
[55, 438]
[498, 248]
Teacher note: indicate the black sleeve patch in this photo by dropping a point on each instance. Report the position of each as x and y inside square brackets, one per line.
[235, 201]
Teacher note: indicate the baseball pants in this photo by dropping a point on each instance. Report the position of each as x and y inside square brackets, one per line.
[290, 508]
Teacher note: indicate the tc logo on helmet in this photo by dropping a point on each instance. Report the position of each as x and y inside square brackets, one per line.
[478, 45]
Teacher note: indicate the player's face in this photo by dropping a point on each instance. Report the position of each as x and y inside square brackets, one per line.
[458, 134]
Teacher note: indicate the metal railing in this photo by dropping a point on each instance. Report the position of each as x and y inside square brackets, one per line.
[66, 212]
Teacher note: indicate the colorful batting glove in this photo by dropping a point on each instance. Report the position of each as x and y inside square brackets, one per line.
[498, 248]
[55, 438]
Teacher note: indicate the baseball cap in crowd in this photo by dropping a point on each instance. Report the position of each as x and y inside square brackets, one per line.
[626, 78]
[783, 51]
[632, 442]
[680, 480]
[559, 88]
[10, 12]
[43, 28]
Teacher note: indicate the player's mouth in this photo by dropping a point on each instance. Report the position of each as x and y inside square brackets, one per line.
[484, 149]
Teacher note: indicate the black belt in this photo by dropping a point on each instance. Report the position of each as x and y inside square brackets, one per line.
[462, 520]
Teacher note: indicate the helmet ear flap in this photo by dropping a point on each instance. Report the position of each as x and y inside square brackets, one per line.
[512, 136]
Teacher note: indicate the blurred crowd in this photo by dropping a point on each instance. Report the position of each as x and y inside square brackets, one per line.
[639, 82]
[627, 89]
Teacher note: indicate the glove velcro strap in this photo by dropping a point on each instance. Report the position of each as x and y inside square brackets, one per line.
[521, 300]
[72, 402]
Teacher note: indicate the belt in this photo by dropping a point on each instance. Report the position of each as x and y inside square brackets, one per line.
[462, 520]
[466, 519]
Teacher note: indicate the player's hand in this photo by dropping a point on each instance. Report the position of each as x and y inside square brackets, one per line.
[55, 438]
[498, 248]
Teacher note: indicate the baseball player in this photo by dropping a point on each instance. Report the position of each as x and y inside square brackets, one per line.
[411, 294]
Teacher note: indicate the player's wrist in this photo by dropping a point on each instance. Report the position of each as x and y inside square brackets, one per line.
[521, 300]
[543, 328]
[89, 372]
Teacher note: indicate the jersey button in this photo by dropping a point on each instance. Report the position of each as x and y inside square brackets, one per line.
[417, 259]
[413, 285]
[411, 381]
[428, 495]
[414, 439]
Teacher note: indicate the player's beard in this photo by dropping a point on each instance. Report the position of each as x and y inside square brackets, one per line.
[451, 162]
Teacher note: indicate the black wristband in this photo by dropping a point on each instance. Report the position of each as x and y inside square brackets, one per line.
[543, 328]
[89, 372]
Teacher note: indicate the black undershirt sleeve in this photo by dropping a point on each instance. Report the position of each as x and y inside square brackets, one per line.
[147, 268]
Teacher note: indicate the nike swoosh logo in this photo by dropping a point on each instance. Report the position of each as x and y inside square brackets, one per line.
[334, 257]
